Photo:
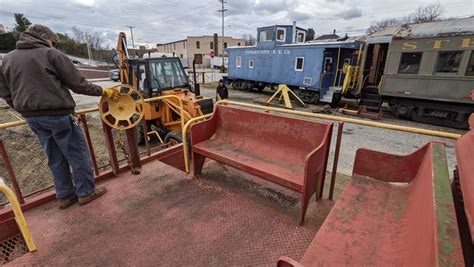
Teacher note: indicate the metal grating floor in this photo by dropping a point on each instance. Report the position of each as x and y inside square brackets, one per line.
[12, 248]
[163, 217]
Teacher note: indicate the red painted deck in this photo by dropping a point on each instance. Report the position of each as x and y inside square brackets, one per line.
[163, 217]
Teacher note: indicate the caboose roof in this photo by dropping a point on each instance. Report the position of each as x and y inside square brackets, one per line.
[350, 43]
[281, 25]
[444, 28]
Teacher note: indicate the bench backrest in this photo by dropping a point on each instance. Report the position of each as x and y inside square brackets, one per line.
[465, 161]
[429, 229]
[282, 136]
[432, 235]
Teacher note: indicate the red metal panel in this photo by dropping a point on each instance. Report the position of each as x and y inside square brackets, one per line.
[336, 159]
[289, 151]
[11, 173]
[8, 228]
[402, 219]
[174, 157]
[465, 159]
[89, 143]
[133, 152]
[109, 141]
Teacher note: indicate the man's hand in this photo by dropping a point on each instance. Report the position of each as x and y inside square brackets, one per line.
[110, 93]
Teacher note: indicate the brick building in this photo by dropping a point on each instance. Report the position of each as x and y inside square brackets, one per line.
[198, 47]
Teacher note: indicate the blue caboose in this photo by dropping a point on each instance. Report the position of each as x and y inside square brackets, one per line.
[313, 70]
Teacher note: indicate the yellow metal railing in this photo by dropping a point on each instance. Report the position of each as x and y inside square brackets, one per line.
[318, 116]
[184, 132]
[186, 125]
[20, 219]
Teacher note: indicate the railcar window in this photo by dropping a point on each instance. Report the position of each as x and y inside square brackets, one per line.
[251, 64]
[280, 36]
[238, 61]
[410, 63]
[300, 37]
[328, 64]
[470, 67]
[266, 35]
[448, 62]
[299, 63]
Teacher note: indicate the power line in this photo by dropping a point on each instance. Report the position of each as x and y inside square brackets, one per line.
[131, 34]
[185, 12]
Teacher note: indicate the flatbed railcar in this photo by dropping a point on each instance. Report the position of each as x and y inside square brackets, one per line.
[425, 72]
[314, 70]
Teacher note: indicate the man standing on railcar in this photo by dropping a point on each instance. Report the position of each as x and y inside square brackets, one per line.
[35, 80]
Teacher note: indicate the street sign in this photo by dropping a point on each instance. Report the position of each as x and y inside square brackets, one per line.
[213, 54]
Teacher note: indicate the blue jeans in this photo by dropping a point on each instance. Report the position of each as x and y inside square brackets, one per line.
[64, 143]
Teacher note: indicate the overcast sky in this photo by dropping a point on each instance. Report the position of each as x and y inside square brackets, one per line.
[159, 21]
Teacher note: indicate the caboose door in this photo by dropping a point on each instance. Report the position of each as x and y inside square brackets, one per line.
[328, 72]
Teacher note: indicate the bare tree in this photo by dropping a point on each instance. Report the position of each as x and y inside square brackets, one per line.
[96, 40]
[380, 25]
[249, 39]
[428, 13]
[78, 34]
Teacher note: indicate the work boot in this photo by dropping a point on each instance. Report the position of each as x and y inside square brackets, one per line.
[65, 203]
[99, 191]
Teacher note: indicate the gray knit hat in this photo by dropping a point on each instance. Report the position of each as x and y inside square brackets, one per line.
[42, 31]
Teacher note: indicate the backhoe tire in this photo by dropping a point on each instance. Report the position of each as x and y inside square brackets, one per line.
[175, 138]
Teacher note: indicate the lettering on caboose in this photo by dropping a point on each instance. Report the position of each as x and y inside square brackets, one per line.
[439, 44]
[268, 52]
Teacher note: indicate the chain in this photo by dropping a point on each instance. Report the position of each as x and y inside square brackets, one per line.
[121, 144]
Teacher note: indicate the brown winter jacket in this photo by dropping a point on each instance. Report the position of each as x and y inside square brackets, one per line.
[34, 79]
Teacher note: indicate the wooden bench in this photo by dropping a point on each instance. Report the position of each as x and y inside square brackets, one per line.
[288, 151]
[463, 191]
[395, 211]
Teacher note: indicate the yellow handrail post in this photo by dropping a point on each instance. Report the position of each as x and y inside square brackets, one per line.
[20, 219]
[185, 142]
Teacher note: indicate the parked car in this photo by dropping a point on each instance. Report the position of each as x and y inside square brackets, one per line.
[114, 75]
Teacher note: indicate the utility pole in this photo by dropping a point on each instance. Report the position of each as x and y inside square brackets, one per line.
[222, 10]
[89, 52]
[131, 34]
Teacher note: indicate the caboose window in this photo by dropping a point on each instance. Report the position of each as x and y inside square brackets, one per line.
[238, 61]
[299, 63]
[470, 66]
[410, 63]
[266, 35]
[251, 64]
[300, 37]
[448, 62]
[280, 36]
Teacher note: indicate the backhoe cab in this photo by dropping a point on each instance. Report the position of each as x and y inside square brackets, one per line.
[161, 76]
